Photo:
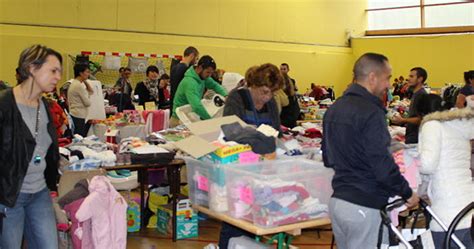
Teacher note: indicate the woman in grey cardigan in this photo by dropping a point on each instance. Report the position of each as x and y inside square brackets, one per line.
[254, 104]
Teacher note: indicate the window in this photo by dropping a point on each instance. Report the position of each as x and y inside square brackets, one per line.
[392, 17]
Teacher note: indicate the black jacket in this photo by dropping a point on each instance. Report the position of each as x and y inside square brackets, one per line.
[176, 76]
[355, 144]
[290, 113]
[143, 94]
[16, 150]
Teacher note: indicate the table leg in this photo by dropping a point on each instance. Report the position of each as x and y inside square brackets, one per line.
[281, 240]
[289, 238]
[143, 176]
[175, 182]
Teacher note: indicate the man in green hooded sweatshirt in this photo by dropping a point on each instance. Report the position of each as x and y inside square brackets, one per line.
[191, 88]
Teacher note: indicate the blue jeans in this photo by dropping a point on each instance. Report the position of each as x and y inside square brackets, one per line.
[463, 234]
[32, 214]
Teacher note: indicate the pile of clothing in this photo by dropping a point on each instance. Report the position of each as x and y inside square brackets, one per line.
[274, 203]
[127, 117]
[398, 107]
[97, 214]
[308, 135]
[397, 133]
[408, 160]
[156, 120]
[88, 153]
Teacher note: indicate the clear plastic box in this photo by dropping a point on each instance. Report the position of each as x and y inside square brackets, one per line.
[206, 182]
[275, 193]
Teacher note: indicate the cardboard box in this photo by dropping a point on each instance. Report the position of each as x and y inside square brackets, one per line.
[224, 160]
[70, 178]
[225, 150]
[204, 133]
[133, 217]
[186, 223]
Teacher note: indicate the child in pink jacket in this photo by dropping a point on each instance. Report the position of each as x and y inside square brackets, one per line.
[107, 210]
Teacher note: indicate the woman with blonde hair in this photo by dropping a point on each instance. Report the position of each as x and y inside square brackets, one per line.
[29, 153]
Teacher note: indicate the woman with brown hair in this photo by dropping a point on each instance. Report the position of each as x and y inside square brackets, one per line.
[257, 97]
[255, 105]
[29, 153]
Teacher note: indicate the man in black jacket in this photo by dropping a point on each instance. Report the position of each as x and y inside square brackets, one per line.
[355, 145]
[191, 56]
[290, 113]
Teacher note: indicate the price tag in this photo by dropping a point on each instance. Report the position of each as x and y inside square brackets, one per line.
[246, 195]
[203, 183]
[150, 106]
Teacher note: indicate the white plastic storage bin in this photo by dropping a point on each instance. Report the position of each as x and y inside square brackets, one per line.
[244, 242]
[275, 193]
[206, 182]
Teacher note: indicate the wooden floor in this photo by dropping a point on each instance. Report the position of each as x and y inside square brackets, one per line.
[209, 233]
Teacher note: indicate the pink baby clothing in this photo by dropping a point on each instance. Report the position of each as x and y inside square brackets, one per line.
[107, 210]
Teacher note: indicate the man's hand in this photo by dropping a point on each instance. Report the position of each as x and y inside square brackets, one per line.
[412, 201]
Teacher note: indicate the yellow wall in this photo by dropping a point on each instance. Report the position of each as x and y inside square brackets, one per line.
[237, 33]
[310, 35]
[444, 57]
[307, 63]
[303, 21]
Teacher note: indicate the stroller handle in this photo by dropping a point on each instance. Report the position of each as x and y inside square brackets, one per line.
[398, 203]
[423, 203]
[385, 210]
[393, 205]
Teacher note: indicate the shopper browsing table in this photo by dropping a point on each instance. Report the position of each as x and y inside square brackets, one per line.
[29, 153]
[190, 57]
[191, 88]
[289, 113]
[147, 90]
[123, 83]
[416, 80]
[79, 99]
[445, 151]
[355, 144]
[467, 90]
[255, 105]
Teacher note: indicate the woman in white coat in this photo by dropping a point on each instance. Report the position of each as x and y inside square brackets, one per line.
[445, 149]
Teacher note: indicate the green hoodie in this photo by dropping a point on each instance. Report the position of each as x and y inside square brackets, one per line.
[190, 91]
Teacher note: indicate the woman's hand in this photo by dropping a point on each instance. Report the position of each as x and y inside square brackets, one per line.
[89, 88]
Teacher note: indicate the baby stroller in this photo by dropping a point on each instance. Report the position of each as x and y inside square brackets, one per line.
[429, 214]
